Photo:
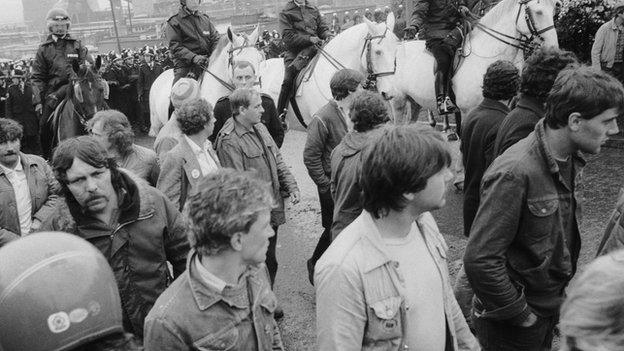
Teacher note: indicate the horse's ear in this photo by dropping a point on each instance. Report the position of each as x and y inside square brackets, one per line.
[371, 25]
[230, 34]
[253, 37]
[98, 63]
[390, 20]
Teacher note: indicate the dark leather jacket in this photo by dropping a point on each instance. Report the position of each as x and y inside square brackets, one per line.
[150, 232]
[297, 25]
[190, 34]
[524, 243]
[438, 17]
[52, 67]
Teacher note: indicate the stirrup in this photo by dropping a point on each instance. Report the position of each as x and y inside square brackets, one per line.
[446, 106]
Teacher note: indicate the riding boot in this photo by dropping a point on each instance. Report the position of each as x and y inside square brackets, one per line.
[288, 85]
[444, 102]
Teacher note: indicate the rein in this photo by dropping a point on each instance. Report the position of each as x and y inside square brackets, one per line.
[371, 78]
[525, 43]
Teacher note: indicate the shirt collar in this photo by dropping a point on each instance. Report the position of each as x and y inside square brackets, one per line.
[196, 149]
[18, 167]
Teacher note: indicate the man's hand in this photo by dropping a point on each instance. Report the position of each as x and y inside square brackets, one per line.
[294, 197]
[410, 32]
[51, 100]
[329, 37]
[36, 224]
[200, 60]
[464, 11]
[530, 321]
[315, 40]
[39, 109]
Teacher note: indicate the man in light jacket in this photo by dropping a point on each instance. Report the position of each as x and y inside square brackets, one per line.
[607, 52]
[383, 284]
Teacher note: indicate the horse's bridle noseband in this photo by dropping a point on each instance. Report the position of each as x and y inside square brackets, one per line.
[525, 43]
[372, 76]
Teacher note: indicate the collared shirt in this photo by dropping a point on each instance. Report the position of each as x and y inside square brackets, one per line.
[206, 162]
[17, 178]
[210, 279]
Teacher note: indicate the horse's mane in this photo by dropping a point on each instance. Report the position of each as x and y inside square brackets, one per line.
[221, 44]
[500, 10]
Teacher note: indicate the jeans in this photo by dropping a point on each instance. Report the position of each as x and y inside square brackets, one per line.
[497, 335]
[271, 258]
[463, 295]
[327, 211]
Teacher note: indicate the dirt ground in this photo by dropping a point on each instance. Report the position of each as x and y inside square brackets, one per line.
[298, 237]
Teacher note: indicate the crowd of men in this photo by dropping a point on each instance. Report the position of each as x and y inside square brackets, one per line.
[109, 245]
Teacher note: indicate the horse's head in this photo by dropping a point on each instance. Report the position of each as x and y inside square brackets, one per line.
[535, 22]
[243, 48]
[87, 89]
[379, 54]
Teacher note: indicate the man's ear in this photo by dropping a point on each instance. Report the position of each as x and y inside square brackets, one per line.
[574, 121]
[409, 196]
[236, 241]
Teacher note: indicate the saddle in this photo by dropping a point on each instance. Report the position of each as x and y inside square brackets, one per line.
[305, 74]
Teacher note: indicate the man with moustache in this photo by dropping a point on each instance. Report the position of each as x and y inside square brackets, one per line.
[224, 299]
[138, 230]
[524, 242]
[27, 186]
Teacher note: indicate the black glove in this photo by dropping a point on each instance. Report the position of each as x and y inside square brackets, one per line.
[410, 32]
[51, 100]
[464, 11]
[200, 60]
[454, 38]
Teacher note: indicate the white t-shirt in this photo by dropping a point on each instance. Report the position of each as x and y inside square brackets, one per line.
[426, 321]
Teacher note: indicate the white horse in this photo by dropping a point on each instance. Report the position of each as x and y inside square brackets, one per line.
[501, 34]
[230, 48]
[368, 47]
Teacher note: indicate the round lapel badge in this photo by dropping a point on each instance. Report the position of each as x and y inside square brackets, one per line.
[195, 173]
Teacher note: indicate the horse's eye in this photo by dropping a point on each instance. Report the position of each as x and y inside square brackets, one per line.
[378, 52]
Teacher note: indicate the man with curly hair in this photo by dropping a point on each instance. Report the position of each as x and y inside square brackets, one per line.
[113, 131]
[537, 77]
[223, 301]
[368, 111]
[524, 242]
[193, 157]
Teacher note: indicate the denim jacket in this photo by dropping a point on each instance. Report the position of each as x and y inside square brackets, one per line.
[518, 256]
[190, 315]
[360, 295]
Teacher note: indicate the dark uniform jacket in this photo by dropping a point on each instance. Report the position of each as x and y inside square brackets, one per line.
[223, 111]
[297, 25]
[519, 123]
[438, 17]
[150, 232]
[52, 67]
[190, 35]
[477, 146]
[147, 76]
[21, 107]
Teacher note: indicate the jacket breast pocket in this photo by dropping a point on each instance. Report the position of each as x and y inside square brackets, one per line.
[384, 319]
[224, 341]
[543, 218]
[253, 157]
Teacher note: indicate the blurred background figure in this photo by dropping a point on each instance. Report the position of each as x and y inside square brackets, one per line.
[591, 316]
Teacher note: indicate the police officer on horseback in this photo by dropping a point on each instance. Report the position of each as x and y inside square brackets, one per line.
[52, 69]
[302, 28]
[192, 38]
[444, 23]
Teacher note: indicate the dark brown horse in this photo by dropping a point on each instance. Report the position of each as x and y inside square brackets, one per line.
[85, 96]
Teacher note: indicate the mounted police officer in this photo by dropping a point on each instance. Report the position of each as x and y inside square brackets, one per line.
[52, 69]
[192, 37]
[443, 24]
[302, 28]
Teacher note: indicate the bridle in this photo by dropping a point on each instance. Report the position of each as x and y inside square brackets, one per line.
[371, 78]
[526, 43]
[231, 52]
